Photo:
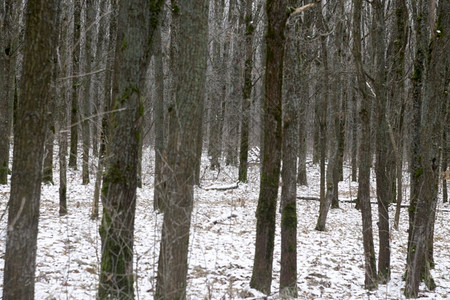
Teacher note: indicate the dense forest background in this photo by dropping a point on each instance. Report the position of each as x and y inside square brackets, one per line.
[357, 89]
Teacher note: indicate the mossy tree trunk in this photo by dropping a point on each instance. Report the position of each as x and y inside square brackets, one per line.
[370, 280]
[74, 112]
[191, 18]
[271, 153]
[5, 51]
[137, 21]
[23, 213]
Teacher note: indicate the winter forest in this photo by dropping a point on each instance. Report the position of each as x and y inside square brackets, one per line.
[224, 149]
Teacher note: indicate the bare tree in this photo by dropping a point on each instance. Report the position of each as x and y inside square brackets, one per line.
[288, 271]
[137, 22]
[246, 99]
[191, 18]
[383, 184]
[74, 112]
[23, 213]
[437, 67]
[271, 153]
[370, 281]
[5, 51]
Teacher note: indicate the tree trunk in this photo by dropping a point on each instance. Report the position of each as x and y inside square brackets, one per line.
[398, 94]
[74, 115]
[288, 271]
[354, 136]
[234, 91]
[159, 116]
[445, 150]
[191, 18]
[137, 21]
[99, 79]
[216, 87]
[5, 52]
[105, 130]
[370, 281]
[417, 87]
[89, 53]
[271, 154]
[23, 213]
[437, 67]
[322, 119]
[246, 99]
[381, 170]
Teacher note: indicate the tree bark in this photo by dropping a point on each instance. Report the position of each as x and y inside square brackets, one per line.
[216, 88]
[381, 170]
[271, 154]
[246, 99]
[370, 281]
[86, 122]
[288, 271]
[398, 93]
[419, 260]
[326, 178]
[23, 213]
[74, 115]
[191, 18]
[159, 116]
[5, 52]
[63, 105]
[137, 22]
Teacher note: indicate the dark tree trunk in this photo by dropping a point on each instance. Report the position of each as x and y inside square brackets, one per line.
[271, 154]
[419, 260]
[370, 281]
[74, 115]
[23, 213]
[381, 170]
[246, 99]
[354, 136]
[63, 110]
[159, 116]
[326, 178]
[398, 94]
[445, 149]
[133, 49]
[191, 18]
[5, 52]
[421, 30]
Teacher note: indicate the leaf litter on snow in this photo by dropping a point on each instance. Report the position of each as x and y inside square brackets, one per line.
[221, 250]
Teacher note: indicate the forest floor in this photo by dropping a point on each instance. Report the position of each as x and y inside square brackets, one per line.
[330, 263]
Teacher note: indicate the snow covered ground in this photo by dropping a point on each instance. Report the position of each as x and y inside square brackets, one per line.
[330, 263]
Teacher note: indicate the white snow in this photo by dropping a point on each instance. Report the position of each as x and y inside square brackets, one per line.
[330, 263]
